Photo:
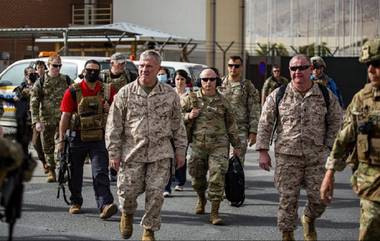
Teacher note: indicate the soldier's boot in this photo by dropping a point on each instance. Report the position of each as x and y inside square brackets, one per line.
[214, 216]
[288, 236]
[51, 176]
[201, 203]
[126, 225]
[148, 235]
[309, 232]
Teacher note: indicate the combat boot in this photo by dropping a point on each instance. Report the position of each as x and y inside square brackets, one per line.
[148, 235]
[201, 203]
[51, 176]
[214, 216]
[126, 225]
[309, 232]
[288, 236]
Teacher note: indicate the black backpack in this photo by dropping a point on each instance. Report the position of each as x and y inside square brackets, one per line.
[235, 182]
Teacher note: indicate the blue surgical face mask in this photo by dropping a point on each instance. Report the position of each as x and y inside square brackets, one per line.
[162, 78]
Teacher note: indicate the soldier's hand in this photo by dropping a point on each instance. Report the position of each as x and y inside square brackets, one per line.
[115, 164]
[40, 126]
[327, 187]
[264, 160]
[61, 147]
[252, 139]
[180, 160]
[236, 152]
[194, 113]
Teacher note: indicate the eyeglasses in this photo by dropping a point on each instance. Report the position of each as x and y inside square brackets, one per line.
[92, 70]
[56, 65]
[212, 79]
[234, 65]
[300, 68]
[375, 64]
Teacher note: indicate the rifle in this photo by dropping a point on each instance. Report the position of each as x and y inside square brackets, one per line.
[64, 171]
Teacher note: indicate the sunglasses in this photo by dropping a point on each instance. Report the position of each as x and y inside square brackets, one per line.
[212, 79]
[234, 65]
[56, 65]
[92, 70]
[375, 64]
[300, 68]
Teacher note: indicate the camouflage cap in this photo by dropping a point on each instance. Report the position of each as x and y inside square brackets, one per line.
[317, 61]
[118, 57]
[370, 51]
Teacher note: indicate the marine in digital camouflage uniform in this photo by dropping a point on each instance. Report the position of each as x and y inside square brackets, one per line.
[144, 119]
[244, 99]
[45, 100]
[213, 129]
[305, 133]
[358, 142]
[272, 83]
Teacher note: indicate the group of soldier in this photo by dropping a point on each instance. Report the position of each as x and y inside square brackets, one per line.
[143, 129]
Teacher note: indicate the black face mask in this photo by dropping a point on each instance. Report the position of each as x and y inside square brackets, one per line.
[92, 76]
[33, 77]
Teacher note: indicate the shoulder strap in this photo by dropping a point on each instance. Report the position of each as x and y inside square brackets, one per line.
[279, 95]
[73, 91]
[68, 80]
[325, 94]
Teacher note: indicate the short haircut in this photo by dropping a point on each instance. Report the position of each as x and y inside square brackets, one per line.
[39, 63]
[92, 61]
[236, 57]
[216, 71]
[150, 53]
[26, 70]
[53, 57]
[166, 71]
[300, 56]
[275, 66]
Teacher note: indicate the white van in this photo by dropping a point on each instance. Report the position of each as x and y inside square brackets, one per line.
[13, 76]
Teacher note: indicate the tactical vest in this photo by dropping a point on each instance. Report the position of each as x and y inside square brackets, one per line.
[90, 118]
[116, 83]
[368, 127]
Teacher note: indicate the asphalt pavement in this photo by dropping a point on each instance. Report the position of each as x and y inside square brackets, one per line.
[44, 217]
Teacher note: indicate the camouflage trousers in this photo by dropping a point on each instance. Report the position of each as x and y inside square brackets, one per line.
[291, 173]
[243, 136]
[135, 178]
[49, 138]
[215, 161]
[369, 220]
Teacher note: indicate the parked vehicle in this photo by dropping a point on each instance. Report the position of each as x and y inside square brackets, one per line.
[13, 76]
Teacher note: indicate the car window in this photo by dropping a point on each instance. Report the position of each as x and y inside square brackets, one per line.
[195, 71]
[131, 67]
[69, 69]
[172, 71]
[15, 75]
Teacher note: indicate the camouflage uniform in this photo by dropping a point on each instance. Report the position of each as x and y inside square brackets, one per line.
[139, 131]
[363, 109]
[303, 141]
[212, 131]
[271, 84]
[45, 103]
[244, 99]
[116, 83]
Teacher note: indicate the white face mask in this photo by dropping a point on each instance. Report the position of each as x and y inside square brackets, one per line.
[162, 78]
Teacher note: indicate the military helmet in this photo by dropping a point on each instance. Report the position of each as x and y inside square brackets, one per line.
[370, 51]
[317, 62]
